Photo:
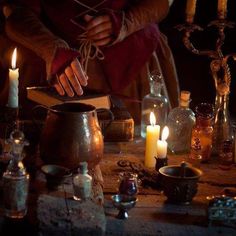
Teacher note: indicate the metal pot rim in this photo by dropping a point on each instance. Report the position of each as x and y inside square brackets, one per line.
[90, 108]
[196, 171]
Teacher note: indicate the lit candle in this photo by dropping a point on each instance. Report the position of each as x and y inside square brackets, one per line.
[190, 10]
[152, 135]
[222, 9]
[162, 144]
[13, 83]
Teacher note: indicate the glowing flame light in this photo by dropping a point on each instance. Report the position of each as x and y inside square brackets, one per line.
[13, 59]
[17, 141]
[152, 119]
[165, 133]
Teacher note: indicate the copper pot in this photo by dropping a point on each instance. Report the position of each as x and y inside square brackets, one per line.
[71, 134]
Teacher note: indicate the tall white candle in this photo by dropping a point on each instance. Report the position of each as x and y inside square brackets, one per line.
[152, 135]
[222, 9]
[13, 82]
[162, 144]
[190, 10]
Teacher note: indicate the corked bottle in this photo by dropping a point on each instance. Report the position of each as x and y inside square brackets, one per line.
[180, 122]
[82, 183]
[202, 133]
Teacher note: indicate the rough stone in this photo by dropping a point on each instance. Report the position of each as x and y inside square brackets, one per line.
[63, 216]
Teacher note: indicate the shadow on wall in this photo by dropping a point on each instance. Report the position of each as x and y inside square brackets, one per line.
[193, 70]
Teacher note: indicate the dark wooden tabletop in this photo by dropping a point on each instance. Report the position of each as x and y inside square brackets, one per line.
[152, 215]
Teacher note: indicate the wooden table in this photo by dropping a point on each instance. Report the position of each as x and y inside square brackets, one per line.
[152, 215]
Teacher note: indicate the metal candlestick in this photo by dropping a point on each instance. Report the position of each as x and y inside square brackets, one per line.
[221, 74]
[11, 120]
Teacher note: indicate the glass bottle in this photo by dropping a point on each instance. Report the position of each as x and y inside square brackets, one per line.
[226, 155]
[180, 122]
[222, 125]
[82, 183]
[128, 183]
[202, 133]
[154, 102]
[16, 179]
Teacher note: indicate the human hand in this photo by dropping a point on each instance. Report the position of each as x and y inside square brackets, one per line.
[71, 80]
[99, 29]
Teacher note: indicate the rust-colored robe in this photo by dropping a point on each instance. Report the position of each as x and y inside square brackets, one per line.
[51, 27]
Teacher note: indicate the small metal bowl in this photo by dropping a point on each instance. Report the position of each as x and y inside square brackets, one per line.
[180, 182]
[123, 203]
[55, 175]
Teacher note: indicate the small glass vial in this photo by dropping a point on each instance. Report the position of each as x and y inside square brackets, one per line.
[154, 102]
[226, 155]
[82, 183]
[128, 184]
[180, 122]
[201, 139]
[16, 179]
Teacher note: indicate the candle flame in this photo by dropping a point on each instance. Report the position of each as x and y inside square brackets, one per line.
[152, 119]
[165, 133]
[17, 141]
[20, 165]
[13, 59]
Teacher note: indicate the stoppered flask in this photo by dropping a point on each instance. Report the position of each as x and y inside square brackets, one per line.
[154, 102]
[202, 133]
[82, 183]
[16, 179]
[180, 122]
[128, 183]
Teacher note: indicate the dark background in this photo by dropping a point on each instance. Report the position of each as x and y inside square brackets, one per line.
[193, 70]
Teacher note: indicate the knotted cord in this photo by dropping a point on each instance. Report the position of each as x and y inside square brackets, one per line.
[88, 50]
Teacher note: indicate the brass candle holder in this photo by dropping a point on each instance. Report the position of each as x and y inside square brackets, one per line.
[220, 72]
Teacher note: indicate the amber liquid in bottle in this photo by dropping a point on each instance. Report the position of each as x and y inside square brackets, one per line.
[202, 133]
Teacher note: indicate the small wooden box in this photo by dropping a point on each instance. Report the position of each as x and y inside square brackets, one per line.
[120, 129]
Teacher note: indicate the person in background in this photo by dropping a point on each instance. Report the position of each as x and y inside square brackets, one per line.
[110, 46]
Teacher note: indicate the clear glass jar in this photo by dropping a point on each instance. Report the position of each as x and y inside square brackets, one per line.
[202, 133]
[180, 122]
[154, 102]
[16, 179]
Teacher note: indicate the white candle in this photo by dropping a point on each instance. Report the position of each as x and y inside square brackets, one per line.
[152, 135]
[222, 9]
[162, 144]
[13, 82]
[190, 10]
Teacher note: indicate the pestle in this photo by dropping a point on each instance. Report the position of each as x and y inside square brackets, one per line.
[183, 169]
